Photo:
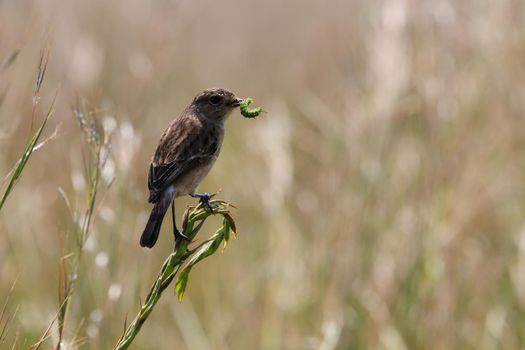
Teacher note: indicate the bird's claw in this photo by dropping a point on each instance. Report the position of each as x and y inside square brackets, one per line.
[206, 201]
[204, 198]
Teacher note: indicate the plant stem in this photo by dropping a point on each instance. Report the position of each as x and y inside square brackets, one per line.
[194, 218]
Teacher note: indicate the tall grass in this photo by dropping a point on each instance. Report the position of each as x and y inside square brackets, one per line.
[10, 180]
[98, 145]
[32, 143]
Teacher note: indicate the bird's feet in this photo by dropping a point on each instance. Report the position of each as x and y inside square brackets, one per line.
[205, 199]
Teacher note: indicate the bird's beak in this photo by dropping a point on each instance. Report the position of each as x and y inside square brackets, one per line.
[237, 102]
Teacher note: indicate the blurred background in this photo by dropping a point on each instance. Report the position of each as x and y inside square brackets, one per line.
[380, 201]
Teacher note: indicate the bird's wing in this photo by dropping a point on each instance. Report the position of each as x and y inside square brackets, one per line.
[162, 176]
[185, 145]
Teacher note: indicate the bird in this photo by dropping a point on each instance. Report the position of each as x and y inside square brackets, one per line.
[186, 152]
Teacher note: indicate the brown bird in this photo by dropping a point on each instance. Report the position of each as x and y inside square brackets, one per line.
[187, 150]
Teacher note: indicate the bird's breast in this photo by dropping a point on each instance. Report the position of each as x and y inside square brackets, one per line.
[189, 182]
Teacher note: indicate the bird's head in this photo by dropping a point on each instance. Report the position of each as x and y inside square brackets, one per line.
[215, 104]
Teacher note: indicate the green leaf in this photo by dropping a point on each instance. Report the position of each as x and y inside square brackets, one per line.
[182, 281]
[231, 223]
[226, 229]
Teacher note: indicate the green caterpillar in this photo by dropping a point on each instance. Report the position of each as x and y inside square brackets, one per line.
[249, 113]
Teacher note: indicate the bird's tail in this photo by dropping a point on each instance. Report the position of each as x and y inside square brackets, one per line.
[151, 232]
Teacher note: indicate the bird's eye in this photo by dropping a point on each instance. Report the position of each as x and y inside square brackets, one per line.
[215, 99]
